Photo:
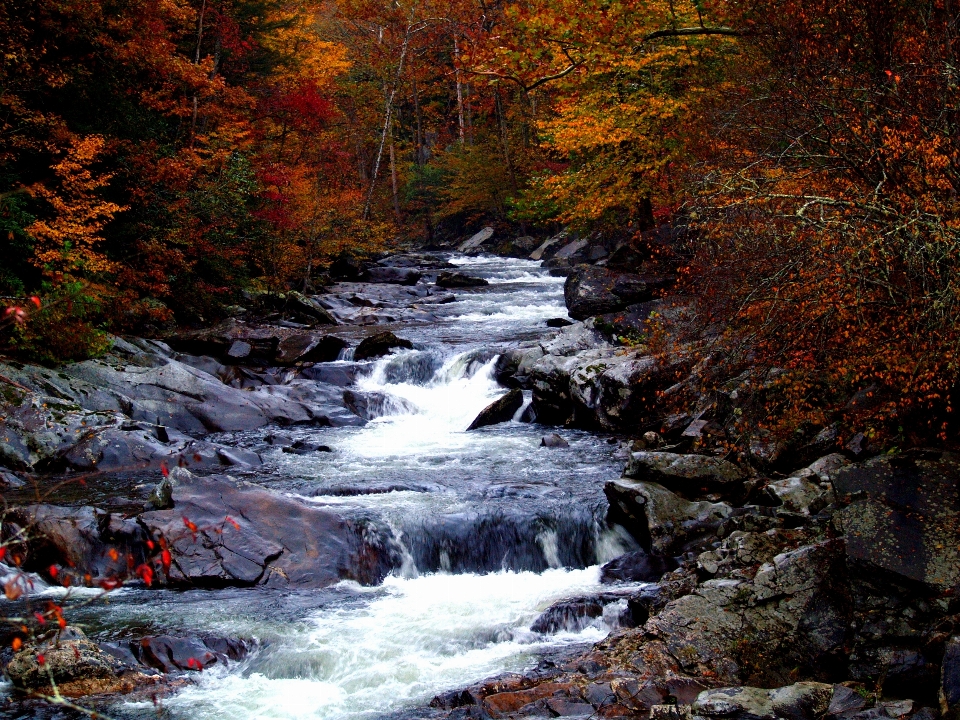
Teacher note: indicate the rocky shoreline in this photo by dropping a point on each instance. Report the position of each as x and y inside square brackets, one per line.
[801, 582]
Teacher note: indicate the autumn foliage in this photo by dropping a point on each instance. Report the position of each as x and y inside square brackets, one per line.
[157, 158]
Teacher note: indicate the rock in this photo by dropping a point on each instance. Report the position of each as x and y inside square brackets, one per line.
[239, 350]
[661, 520]
[270, 539]
[306, 309]
[499, 411]
[9, 480]
[520, 247]
[304, 347]
[950, 680]
[379, 345]
[161, 497]
[553, 441]
[345, 267]
[78, 666]
[802, 701]
[459, 280]
[476, 241]
[392, 275]
[80, 541]
[301, 447]
[638, 566]
[902, 516]
[845, 700]
[370, 405]
[797, 494]
[549, 246]
[793, 617]
[827, 467]
[591, 291]
[559, 322]
[692, 475]
[171, 654]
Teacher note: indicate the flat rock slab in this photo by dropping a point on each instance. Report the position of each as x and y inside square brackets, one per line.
[902, 516]
[269, 539]
[683, 473]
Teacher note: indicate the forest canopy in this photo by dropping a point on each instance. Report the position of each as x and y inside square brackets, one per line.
[158, 158]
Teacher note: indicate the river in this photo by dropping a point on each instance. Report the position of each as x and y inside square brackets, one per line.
[492, 529]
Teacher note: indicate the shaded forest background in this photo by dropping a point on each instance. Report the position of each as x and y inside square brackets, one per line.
[159, 158]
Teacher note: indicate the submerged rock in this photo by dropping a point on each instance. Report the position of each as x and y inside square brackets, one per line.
[459, 280]
[553, 440]
[499, 411]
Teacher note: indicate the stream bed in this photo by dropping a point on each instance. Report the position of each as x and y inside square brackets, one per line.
[491, 529]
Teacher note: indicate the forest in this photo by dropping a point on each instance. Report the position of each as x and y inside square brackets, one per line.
[158, 159]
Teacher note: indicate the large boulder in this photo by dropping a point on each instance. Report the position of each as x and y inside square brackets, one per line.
[636, 566]
[901, 516]
[499, 411]
[793, 617]
[477, 241]
[661, 520]
[221, 532]
[689, 475]
[379, 345]
[307, 347]
[591, 290]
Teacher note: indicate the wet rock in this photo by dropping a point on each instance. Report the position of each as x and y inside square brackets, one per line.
[591, 290]
[802, 701]
[271, 539]
[687, 474]
[499, 411]
[553, 441]
[302, 447]
[370, 405]
[474, 243]
[80, 541]
[392, 275]
[168, 654]
[637, 566]
[305, 347]
[459, 280]
[77, 665]
[949, 694]
[661, 520]
[559, 322]
[306, 309]
[902, 516]
[379, 345]
[570, 615]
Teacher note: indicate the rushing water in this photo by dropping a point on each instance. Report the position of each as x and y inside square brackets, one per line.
[488, 527]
